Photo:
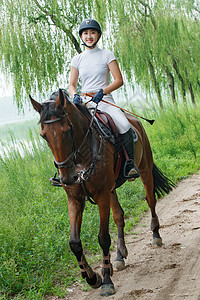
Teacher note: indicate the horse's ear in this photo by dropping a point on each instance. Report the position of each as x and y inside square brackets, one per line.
[36, 105]
[61, 98]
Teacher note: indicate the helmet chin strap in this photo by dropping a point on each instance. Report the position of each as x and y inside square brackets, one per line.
[84, 44]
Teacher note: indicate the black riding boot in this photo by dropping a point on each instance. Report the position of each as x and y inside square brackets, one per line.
[130, 170]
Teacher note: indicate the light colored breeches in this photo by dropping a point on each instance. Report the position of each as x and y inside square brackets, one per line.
[117, 115]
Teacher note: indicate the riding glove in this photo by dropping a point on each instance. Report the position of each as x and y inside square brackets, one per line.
[77, 99]
[98, 96]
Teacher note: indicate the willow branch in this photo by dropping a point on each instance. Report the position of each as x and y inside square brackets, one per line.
[60, 25]
[146, 5]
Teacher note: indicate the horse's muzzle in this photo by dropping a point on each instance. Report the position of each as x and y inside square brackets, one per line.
[68, 179]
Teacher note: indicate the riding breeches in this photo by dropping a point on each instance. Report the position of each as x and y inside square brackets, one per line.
[117, 115]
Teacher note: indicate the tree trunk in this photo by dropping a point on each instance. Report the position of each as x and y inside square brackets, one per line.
[57, 21]
[171, 85]
[156, 84]
[190, 88]
[181, 80]
[192, 94]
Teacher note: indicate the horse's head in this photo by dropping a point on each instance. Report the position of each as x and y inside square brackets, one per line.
[57, 130]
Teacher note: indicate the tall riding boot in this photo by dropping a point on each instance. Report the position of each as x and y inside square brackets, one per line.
[130, 170]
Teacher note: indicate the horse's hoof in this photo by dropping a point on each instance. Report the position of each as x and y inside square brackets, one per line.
[98, 282]
[118, 265]
[107, 289]
[157, 242]
[121, 247]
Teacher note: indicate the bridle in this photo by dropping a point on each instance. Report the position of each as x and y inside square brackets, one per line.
[63, 164]
[84, 174]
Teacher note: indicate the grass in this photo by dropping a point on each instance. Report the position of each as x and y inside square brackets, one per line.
[35, 259]
[175, 141]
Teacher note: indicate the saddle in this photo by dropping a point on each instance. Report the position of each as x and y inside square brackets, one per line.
[109, 131]
[121, 154]
[106, 120]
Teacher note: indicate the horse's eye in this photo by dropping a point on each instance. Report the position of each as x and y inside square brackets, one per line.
[65, 127]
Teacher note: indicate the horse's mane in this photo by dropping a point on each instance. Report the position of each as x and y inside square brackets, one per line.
[55, 94]
[49, 108]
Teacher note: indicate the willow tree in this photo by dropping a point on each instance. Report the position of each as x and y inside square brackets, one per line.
[37, 41]
[177, 52]
[156, 42]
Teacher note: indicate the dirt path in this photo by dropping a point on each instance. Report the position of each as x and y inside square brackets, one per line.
[170, 272]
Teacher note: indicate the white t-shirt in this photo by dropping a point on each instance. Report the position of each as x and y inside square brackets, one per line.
[94, 73]
[93, 68]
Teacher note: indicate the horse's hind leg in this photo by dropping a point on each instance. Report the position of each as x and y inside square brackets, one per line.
[147, 179]
[118, 216]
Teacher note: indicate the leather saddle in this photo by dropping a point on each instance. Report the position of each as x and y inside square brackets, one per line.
[121, 154]
[109, 130]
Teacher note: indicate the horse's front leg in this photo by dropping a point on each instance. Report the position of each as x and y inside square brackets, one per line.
[118, 216]
[75, 208]
[105, 242]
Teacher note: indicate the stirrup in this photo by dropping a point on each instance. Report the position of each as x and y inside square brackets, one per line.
[55, 181]
[133, 172]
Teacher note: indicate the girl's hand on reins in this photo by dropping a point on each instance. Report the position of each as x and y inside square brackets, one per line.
[77, 99]
[98, 96]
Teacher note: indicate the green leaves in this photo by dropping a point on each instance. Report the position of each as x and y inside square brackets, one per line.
[155, 42]
[155, 36]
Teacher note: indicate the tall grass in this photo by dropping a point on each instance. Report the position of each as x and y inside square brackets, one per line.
[35, 258]
[175, 140]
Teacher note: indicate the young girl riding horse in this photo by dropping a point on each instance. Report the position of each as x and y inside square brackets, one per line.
[93, 66]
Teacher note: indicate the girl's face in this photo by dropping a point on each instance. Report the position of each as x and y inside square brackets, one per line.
[89, 37]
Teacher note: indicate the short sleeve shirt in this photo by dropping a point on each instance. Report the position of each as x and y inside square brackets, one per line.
[93, 68]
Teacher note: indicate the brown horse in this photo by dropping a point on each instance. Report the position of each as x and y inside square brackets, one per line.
[86, 162]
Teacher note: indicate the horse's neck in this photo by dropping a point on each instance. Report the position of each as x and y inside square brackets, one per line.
[79, 121]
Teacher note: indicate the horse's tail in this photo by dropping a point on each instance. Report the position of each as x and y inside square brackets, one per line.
[162, 184]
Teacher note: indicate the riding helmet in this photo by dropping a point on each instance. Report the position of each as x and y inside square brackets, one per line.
[89, 24]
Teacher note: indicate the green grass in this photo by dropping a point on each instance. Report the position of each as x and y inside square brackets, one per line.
[175, 140]
[35, 258]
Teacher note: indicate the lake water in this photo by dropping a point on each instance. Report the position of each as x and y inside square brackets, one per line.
[9, 111]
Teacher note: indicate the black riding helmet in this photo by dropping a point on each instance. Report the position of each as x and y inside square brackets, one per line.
[90, 24]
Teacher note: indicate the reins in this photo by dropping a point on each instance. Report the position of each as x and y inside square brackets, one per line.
[83, 175]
